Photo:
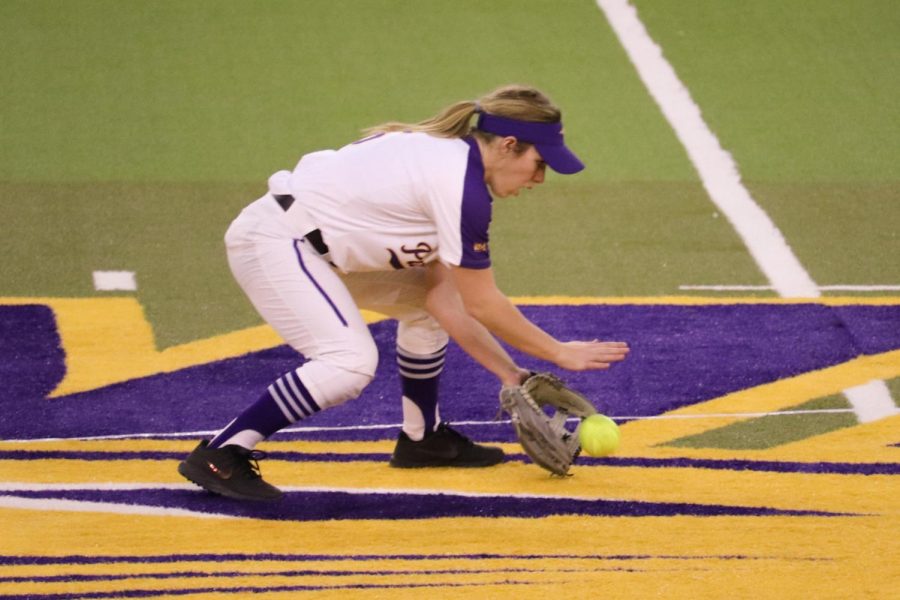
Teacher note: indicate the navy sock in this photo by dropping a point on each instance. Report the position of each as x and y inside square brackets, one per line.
[286, 401]
[419, 378]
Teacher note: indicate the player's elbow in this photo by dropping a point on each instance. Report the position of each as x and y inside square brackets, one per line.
[478, 294]
[483, 309]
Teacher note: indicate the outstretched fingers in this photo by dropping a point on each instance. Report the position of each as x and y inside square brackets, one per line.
[581, 356]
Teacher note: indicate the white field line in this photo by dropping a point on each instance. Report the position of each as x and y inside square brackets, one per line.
[871, 401]
[45, 504]
[198, 434]
[108, 281]
[716, 168]
[722, 180]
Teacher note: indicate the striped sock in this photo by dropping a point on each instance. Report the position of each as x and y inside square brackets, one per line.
[286, 401]
[419, 377]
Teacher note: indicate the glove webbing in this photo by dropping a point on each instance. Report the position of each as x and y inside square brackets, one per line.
[545, 440]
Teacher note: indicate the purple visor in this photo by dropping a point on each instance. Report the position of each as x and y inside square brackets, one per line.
[546, 137]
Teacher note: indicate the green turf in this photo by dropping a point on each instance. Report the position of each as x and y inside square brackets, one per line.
[797, 90]
[894, 387]
[775, 430]
[615, 239]
[118, 112]
[169, 234]
[134, 131]
[563, 239]
[844, 233]
[214, 90]
[803, 94]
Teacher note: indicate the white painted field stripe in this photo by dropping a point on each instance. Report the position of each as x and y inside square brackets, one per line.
[872, 401]
[166, 435]
[721, 178]
[45, 504]
[108, 281]
[717, 169]
[742, 415]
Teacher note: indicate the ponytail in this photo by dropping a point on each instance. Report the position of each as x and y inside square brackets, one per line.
[452, 122]
[512, 101]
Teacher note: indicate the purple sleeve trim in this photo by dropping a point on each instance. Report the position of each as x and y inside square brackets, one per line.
[475, 217]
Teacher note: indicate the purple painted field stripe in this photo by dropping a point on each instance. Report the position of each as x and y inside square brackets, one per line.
[81, 559]
[830, 468]
[330, 505]
[261, 589]
[299, 573]
[160, 455]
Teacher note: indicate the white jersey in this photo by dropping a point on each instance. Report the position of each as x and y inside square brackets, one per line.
[393, 201]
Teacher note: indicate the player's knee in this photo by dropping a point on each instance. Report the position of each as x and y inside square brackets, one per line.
[361, 359]
[423, 335]
[361, 371]
[342, 376]
[356, 383]
[336, 385]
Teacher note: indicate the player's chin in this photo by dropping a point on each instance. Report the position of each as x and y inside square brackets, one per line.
[499, 192]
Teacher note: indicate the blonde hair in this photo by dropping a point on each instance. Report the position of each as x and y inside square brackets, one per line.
[512, 101]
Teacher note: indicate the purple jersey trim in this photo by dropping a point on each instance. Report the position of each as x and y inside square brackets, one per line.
[475, 217]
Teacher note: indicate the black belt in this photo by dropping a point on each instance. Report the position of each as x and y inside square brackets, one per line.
[314, 237]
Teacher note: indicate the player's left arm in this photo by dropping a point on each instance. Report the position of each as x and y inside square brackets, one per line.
[444, 303]
[487, 304]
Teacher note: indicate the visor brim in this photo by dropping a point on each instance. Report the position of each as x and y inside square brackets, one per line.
[559, 158]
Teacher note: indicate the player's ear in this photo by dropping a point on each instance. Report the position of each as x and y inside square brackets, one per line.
[508, 144]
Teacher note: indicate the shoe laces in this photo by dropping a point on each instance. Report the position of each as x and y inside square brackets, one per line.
[248, 461]
[445, 427]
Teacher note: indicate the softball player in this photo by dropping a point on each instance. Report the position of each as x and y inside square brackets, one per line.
[396, 223]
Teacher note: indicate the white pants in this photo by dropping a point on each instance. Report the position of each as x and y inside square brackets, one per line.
[315, 308]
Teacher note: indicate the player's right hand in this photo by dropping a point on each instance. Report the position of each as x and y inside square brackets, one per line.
[584, 356]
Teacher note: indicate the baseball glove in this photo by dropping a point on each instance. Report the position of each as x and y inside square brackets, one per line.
[544, 437]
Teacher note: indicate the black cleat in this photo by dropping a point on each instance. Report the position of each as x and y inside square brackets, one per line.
[230, 471]
[443, 448]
